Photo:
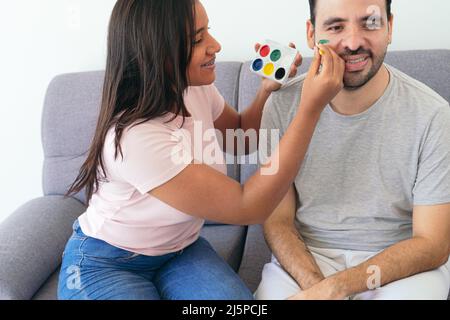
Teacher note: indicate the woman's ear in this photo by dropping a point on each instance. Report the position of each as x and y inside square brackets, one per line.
[310, 31]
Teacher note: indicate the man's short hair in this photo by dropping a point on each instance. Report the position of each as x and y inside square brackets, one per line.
[312, 8]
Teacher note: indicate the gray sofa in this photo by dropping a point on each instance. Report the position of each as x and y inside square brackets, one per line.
[33, 238]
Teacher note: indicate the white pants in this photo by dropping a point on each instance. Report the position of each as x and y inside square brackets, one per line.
[277, 284]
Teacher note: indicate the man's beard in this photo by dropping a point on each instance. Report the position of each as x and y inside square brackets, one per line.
[355, 80]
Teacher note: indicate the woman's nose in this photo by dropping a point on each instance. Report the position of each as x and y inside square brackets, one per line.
[214, 47]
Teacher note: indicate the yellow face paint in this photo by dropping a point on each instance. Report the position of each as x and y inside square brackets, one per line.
[268, 69]
[321, 52]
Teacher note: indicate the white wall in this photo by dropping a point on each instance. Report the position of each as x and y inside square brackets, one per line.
[40, 39]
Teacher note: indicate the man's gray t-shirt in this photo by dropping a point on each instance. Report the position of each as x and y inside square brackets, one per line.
[363, 174]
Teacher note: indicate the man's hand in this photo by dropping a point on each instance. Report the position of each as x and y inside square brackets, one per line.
[325, 290]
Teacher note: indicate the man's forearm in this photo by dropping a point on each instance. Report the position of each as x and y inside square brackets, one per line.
[292, 253]
[400, 261]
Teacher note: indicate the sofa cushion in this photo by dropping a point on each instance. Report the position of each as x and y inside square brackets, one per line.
[31, 243]
[49, 289]
[256, 255]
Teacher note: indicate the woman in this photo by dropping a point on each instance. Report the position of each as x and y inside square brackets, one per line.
[139, 238]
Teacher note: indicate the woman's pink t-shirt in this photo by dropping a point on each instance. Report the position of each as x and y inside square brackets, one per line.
[122, 212]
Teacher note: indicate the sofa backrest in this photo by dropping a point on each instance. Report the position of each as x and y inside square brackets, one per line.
[431, 67]
[69, 119]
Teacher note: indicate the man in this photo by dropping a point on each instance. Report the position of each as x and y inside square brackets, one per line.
[369, 214]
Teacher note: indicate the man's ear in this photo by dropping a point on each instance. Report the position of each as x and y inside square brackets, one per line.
[310, 34]
[391, 27]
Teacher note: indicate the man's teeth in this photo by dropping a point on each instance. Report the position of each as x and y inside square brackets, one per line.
[356, 61]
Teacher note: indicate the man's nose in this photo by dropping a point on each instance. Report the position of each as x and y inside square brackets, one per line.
[353, 40]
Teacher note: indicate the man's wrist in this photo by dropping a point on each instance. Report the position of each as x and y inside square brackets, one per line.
[310, 281]
[339, 285]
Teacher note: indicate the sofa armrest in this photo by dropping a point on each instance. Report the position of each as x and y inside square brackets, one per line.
[256, 255]
[32, 241]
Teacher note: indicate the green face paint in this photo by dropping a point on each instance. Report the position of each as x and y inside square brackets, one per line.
[321, 52]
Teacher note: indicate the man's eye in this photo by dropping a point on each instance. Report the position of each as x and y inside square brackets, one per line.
[335, 28]
[373, 25]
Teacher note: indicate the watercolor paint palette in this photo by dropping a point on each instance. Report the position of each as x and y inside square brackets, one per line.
[274, 61]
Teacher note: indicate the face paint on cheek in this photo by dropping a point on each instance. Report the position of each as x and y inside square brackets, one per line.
[321, 52]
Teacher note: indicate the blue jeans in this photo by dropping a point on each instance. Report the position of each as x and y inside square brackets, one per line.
[95, 270]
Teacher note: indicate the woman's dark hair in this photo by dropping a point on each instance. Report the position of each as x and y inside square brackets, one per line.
[312, 8]
[149, 49]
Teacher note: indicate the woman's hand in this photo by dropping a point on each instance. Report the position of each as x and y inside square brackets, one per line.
[322, 84]
[270, 86]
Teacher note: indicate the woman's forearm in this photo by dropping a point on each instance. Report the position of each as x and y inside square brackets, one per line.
[250, 119]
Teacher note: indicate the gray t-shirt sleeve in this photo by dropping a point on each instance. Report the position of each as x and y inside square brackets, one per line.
[432, 185]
